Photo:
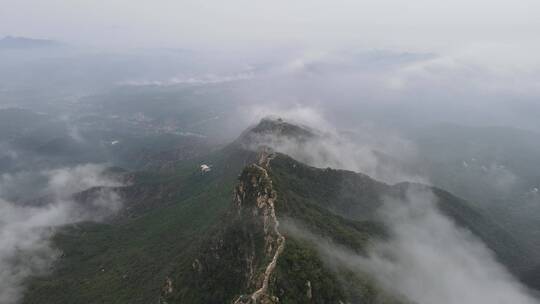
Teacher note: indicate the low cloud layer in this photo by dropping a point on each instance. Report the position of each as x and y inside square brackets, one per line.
[481, 84]
[367, 150]
[431, 260]
[26, 229]
[428, 258]
[208, 79]
[60, 182]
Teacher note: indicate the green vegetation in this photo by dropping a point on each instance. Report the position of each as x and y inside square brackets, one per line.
[165, 218]
[182, 238]
[298, 265]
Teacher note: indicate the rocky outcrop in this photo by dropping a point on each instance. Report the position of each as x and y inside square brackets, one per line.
[261, 206]
[238, 261]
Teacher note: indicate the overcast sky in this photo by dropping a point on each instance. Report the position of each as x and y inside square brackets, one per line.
[418, 25]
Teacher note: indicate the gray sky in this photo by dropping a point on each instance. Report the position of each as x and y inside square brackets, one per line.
[418, 25]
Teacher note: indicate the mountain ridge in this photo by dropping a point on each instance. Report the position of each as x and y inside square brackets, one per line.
[189, 239]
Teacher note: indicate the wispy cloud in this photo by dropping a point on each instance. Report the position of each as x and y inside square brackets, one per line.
[428, 259]
[26, 248]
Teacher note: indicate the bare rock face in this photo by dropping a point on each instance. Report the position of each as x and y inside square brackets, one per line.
[309, 292]
[166, 290]
[255, 197]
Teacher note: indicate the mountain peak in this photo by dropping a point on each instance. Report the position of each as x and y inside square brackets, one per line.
[279, 125]
[275, 128]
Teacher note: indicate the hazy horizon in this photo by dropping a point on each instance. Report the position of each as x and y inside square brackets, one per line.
[418, 25]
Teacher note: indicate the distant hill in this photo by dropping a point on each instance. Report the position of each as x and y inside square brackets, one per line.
[494, 167]
[11, 42]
